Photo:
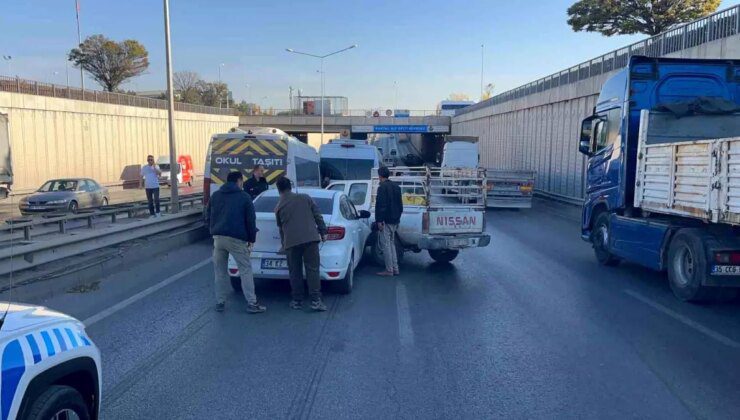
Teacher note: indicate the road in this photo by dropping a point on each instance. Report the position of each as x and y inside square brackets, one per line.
[530, 327]
[117, 195]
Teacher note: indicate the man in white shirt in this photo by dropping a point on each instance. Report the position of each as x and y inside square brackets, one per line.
[150, 178]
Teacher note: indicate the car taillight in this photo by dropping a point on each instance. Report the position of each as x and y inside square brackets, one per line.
[333, 273]
[335, 233]
[206, 190]
[727, 257]
[233, 271]
[425, 223]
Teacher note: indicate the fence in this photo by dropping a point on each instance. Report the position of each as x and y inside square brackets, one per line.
[18, 85]
[347, 113]
[716, 26]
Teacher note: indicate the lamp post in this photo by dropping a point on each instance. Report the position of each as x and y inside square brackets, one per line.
[219, 82]
[8, 59]
[174, 200]
[321, 58]
[481, 71]
[395, 96]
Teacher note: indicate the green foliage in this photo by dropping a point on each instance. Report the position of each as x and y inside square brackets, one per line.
[108, 62]
[651, 17]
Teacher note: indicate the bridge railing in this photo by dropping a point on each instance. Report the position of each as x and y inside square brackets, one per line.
[719, 25]
[347, 113]
[30, 87]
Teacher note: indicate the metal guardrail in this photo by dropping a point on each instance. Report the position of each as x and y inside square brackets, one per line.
[28, 254]
[27, 225]
[30, 87]
[722, 24]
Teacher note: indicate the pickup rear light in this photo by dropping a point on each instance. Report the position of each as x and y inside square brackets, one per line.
[732, 257]
[425, 223]
[206, 190]
[335, 233]
[526, 188]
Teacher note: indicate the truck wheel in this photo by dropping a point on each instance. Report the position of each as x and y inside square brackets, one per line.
[376, 249]
[687, 268]
[443, 255]
[59, 402]
[236, 284]
[345, 285]
[600, 240]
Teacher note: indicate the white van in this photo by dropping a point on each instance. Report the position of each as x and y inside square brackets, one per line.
[279, 153]
[348, 159]
[460, 152]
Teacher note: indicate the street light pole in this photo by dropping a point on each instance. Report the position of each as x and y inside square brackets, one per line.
[79, 43]
[321, 57]
[174, 200]
[395, 96]
[7, 58]
[481, 71]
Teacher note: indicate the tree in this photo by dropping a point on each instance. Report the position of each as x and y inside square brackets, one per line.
[487, 92]
[187, 84]
[108, 62]
[458, 97]
[622, 17]
[212, 93]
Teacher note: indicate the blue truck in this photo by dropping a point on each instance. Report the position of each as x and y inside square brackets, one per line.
[663, 173]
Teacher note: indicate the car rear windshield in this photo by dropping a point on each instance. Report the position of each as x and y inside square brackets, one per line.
[266, 204]
[350, 169]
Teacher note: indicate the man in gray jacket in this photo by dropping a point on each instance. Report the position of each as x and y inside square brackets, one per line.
[301, 228]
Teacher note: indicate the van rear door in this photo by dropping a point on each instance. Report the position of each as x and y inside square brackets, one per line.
[242, 153]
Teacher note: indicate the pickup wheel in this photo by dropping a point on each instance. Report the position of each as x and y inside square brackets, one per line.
[443, 255]
[376, 249]
[687, 268]
[59, 402]
[600, 240]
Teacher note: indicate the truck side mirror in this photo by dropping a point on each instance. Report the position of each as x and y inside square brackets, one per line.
[584, 144]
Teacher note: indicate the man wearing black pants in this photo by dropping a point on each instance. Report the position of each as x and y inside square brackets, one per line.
[150, 178]
[301, 229]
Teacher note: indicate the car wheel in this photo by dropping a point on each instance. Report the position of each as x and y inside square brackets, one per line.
[600, 240]
[236, 284]
[687, 268]
[73, 207]
[443, 255]
[59, 402]
[376, 249]
[345, 285]
[105, 201]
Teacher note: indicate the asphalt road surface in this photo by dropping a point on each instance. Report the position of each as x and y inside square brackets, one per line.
[529, 327]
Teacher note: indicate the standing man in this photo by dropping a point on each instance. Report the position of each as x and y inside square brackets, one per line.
[388, 210]
[231, 219]
[256, 184]
[301, 228]
[150, 179]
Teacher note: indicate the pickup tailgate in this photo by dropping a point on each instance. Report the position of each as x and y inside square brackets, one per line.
[450, 222]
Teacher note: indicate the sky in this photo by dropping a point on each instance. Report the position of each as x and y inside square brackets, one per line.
[428, 49]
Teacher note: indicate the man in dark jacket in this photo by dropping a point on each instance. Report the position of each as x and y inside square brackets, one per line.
[388, 209]
[256, 184]
[301, 228]
[231, 219]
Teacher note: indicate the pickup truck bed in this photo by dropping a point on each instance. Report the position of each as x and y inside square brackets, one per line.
[509, 189]
[687, 167]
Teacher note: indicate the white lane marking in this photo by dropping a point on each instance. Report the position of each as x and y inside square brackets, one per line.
[685, 320]
[405, 330]
[142, 294]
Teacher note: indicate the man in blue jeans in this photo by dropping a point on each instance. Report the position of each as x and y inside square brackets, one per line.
[233, 224]
[150, 179]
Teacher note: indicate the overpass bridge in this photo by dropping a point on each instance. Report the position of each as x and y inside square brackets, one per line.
[357, 126]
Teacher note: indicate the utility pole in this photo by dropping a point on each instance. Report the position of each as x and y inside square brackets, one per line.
[79, 44]
[175, 199]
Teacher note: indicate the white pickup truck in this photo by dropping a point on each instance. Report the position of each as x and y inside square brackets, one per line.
[436, 217]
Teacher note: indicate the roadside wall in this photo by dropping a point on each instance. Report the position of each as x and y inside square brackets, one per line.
[54, 137]
[540, 131]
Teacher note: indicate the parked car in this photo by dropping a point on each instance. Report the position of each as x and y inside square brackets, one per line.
[349, 230]
[69, 195]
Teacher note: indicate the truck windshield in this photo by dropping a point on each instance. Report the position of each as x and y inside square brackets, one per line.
[351, 169]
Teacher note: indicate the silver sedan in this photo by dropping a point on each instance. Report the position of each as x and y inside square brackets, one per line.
[67, 195]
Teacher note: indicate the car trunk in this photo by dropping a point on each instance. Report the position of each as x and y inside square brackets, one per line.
[268, 237]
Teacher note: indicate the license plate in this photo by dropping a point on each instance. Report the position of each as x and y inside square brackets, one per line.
[458, 243]
[274, 264]
[726, 270]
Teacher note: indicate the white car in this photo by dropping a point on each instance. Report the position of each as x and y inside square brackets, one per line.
[357, 191]
[349, 230]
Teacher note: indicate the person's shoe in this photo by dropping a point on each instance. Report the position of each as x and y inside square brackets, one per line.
[255, 308]
[159, 214]
[396, 273]
[385, 274]
[296, 304]
[318, 306]
[220, 307]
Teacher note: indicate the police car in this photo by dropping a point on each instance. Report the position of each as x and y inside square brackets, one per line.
[49, 367]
